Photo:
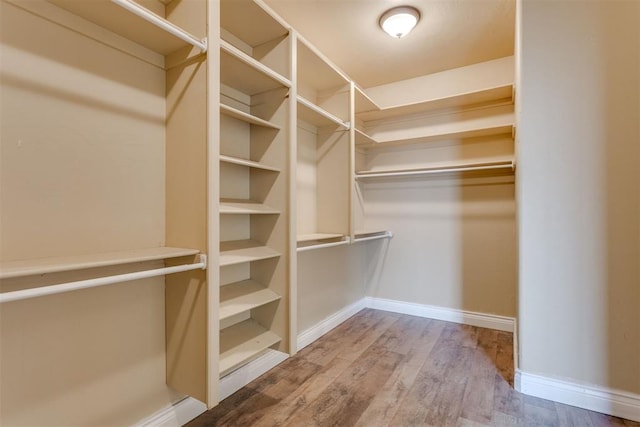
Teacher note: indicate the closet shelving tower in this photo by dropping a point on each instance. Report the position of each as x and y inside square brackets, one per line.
[255, 76]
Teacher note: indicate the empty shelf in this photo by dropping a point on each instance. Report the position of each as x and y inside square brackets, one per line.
[364, 139]
[318, 236]
[499, 93]
[32, 267]
[246, 117]
[241, 72]
[237, 206]
[311, 113]
[243, 342]
[236, 298]
[363, 102]
[453, 168]
[248, 163]
[240, 251]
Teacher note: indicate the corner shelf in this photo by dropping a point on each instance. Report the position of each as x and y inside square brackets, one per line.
[317, 116]
[31, 267]
[243, 342]
[247, 163]
[236, 206]
[452, 168]
[241, 251]
[494, 94]
[246, 117]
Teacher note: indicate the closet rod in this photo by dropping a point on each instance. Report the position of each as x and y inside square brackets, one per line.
[100, 281]
[160, 22]
[428, 171]
[385, 235]
[324, 245]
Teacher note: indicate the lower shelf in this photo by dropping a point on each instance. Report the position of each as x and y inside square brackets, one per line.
[243, 342]
[236, 298]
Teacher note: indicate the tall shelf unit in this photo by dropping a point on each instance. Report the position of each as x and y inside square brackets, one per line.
[254, 208]
[322, 149]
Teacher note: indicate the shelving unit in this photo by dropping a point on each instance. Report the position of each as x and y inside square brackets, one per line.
[322, 149]
[254, 144]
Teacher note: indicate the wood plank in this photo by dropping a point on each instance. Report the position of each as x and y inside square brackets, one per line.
[243, 342]
[241, 251]
[246, 117]
[30, 267]
[317, 116]
[238, 297]
[247, 207]
[248, 163]
[478, 407]
[317, 236]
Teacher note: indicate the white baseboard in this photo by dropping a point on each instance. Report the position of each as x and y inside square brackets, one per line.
[313, 333]
[595, 398]
[491, 321]
[242, 376]
[175, 415]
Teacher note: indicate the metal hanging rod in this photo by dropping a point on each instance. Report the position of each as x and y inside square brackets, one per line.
[160, 22]
[100, 281]
[428, 171]
[385, 235]
[323, 245]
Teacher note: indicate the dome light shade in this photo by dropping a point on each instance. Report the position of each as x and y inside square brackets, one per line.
[399, 21]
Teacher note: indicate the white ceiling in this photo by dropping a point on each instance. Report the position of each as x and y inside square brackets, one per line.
[450, 34]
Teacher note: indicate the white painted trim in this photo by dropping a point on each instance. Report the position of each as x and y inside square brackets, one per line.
[311, 334]
[491, 321]
[175, 415]
[242, 376]
[594, 398]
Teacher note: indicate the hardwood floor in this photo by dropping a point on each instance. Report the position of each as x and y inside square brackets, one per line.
[386, 369]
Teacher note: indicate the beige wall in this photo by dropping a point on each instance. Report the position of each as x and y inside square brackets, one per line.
[82, 171]
[579, 198]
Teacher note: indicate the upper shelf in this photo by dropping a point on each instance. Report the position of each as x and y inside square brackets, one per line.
[245, 20]
[494, 94]
[247, 163]
[244, 73]
[315, 72]
[311, 113]
[33, 267]
[132, 21]
[364, 102]
[241, 251]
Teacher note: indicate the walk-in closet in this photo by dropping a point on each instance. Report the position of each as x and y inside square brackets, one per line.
[193, 192]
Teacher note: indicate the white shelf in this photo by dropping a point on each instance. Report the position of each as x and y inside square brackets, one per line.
[311, 113]
[123, 22]
[248, 163]
[32, 267]
[364, 139]
[235, 206]
[363, 102]
[360, 234]
[243, 342]
[241, 72]
[494, 94]
[502, 129]
[318, 236]
[239, 297]
[508, 165]
[250, 23]
[316, 71]
[241, 251]
[246, 117]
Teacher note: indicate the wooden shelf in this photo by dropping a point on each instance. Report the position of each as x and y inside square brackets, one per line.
[243, 342]
[236, 206]
[120, 21]
[364, 139]
[33, 267]
[241, 251]
[315, 71]
[449, 168]
[246, 117]
[241, 72]
[247, 163]
[363, 102]
[239, 297]
[318, 237]
[311, 113]
[495, 94]
[250, 23]
[359, 234]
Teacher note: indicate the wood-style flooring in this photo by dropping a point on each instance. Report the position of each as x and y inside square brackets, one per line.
[386, 369]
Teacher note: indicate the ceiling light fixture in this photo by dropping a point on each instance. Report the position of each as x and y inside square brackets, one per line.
[399, 21]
